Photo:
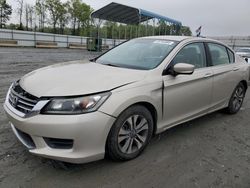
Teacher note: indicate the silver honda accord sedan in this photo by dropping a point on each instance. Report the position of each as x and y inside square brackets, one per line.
[112, 105]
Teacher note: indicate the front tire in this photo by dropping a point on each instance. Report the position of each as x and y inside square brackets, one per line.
[236, 99]
[130, 134]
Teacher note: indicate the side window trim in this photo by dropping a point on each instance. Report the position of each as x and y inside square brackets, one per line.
[208, 55]
[228, 56]
[233, 60]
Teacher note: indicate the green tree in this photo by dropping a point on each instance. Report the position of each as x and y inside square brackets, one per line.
[63, 16]
[28, 13]
[31, 11]
[185, 31]
[54, 7]
[20, 13]
[79, 15]
[5, 12]
[40, 8]
[83, 17]
[74, 12]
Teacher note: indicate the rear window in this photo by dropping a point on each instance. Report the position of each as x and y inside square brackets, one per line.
[219, 54]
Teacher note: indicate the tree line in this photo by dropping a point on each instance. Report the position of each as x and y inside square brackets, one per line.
[73, 18]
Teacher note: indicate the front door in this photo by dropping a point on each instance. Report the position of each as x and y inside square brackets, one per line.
[187, 96]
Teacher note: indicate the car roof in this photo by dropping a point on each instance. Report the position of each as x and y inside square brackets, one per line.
[166, 37]
[185, 38]
[181, 38]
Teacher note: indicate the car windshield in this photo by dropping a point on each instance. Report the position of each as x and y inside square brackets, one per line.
[143, 54]
[243, 50]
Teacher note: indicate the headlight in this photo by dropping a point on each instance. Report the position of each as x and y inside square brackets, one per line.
[77, 105]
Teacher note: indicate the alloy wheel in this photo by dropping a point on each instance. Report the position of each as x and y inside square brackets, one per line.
[133, 134]
[238, 98]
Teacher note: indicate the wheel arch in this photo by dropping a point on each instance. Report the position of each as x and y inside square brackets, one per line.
[244, 82]
[150, 107]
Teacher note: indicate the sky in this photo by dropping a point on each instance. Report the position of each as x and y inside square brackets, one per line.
[217, 17]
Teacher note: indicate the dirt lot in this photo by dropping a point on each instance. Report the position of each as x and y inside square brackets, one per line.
[212, 151]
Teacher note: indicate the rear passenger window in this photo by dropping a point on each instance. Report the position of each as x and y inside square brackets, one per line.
[193, 54]
[219, 54]
[231, 56]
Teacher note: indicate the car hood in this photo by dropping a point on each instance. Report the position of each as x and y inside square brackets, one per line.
[77, 78]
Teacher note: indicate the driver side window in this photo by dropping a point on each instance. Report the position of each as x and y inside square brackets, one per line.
[193, 54]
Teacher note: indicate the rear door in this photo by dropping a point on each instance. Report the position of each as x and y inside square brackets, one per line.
[225, 73]
[187, 96]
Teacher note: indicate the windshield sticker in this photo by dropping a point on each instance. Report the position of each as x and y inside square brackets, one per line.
[164, 42]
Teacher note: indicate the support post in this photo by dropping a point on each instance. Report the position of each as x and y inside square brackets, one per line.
[125, 34]
[67, 40]
[119, 33]
[12, 34]
[113, 34]
[139, 24]
[153, 26]
[130, 32]
[34, 38]
[106, 34]
[159, 22]
[98, 35]
[165, 28]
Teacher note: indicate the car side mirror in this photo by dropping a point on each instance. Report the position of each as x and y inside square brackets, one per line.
[179, 68]
[183, 68]
[246, 59]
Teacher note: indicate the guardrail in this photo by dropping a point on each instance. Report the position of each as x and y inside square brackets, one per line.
[235, 41]
[30, 39]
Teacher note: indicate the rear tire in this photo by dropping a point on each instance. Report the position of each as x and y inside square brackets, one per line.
[130, 134]
[236, 99]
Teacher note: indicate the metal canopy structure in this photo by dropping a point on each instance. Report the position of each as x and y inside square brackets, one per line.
[129, 15]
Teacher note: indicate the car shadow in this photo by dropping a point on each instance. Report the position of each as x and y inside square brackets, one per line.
[170, 133]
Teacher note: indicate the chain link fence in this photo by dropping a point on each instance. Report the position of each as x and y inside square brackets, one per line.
[29, 39]
[235, 41]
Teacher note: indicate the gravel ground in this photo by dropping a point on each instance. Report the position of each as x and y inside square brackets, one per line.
[212, 151]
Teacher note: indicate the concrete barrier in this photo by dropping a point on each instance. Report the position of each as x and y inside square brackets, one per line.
[77, 46]
[105, 47]
[8, 43]
[43, 44]
[30, 39]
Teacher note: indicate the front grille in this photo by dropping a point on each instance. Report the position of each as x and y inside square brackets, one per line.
[57, 143]
[21, 100]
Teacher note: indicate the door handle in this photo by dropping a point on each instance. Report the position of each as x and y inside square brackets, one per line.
[236, 68]
[208, 75]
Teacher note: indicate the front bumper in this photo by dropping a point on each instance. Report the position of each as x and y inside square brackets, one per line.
[88, 132]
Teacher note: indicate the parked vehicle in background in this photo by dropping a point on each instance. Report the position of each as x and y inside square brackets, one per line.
[78, 112]
[244, 52]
